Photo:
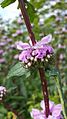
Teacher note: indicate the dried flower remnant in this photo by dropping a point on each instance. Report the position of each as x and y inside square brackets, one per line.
[2, 92]
[40, 52]
[54, 109]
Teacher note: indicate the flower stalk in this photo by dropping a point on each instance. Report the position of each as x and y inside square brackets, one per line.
[41, 71]
[45, 91]
[8, 107]
[27, 21]
[61, 96]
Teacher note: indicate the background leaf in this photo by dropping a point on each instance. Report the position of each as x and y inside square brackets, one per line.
[17, 70]
[5, 3]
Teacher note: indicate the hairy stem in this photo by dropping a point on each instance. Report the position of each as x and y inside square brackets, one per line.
[41, 71]
[27, 21]
[45, 91]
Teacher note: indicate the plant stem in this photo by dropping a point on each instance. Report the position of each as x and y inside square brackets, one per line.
[61, 96]
[8, 107]
[41, 71]
[45, 91]
[27, 21]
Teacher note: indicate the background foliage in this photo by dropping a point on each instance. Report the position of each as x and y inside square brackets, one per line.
[24, 86]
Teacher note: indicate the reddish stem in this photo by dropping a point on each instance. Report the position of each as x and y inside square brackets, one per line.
[41, 71]
[45, 91]
[27, 21]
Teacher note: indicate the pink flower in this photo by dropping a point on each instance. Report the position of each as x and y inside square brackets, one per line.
[2, 60]
[1, 52]
[61, 57]
[3, 43]
[9, 40]
[37, 114]
[25, 55]
[38, 51]
[2, 92]
[61, 46]
[4, 37]
[54, 109]
[14, 34]
[16, 56]
[19, 21]
[19, 32]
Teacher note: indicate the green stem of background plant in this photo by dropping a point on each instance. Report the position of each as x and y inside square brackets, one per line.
[41, 71]
[61, 96]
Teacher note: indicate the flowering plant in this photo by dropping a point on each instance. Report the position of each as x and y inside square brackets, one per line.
[55, 111]
[41, 51]
[2, 92]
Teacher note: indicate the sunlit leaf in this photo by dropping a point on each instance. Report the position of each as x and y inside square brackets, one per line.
[7, 2]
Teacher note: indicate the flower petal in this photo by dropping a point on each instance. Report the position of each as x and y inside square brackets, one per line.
[36, 114]
[46, 39]
[22, 46]
[51, 104]
[57, 110]
[51, 117]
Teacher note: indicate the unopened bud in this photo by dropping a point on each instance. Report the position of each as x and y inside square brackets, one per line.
[1, 95]
[26, 66]
[46, 60]
[42, 60]
[35, 59]
[2, 92]
[29, 64]
[33, 53]
[51, 55]
[48, 56]
[31, 58]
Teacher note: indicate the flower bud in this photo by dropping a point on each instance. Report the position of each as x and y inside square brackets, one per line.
[46, 60]
[31, 58]
[2, 92]
[29, 64]
[42, 60]
[35, 59]
[48, 56]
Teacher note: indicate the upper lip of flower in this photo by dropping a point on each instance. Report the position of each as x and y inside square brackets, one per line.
[40, 49]
[24, 46]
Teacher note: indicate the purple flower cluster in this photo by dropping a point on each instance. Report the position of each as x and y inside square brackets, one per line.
[18, 32]
[2, 92]
[39, 52]
[6, 47]
[54, 109]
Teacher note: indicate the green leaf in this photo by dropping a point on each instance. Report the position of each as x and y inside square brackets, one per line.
[17, 70]
[31, 11]
[52, 72]
[7, 2]
[2, 109]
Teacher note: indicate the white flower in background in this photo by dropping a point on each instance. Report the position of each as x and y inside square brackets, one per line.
[2, 92]
[1, 1]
